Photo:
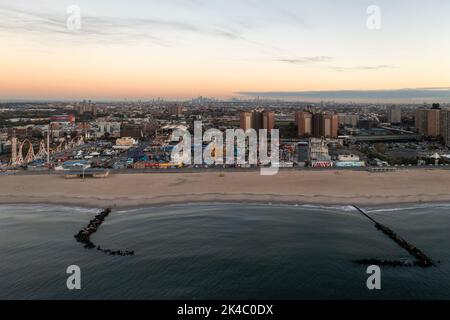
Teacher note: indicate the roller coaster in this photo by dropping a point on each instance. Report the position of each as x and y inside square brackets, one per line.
[18, 158]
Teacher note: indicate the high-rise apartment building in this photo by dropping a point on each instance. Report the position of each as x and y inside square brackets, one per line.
[85, 108]
[246, 121]
[268, 121]
[303, 121]
[319, 125]
[175, 110]
[331, 125]
[394, 115]
[445, 126]
[428, 121]
[257, 119]
[421, 120]
[325, 125]
[349, 120]
[434, 123]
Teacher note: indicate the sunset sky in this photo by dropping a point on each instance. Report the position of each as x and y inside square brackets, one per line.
[185, 48]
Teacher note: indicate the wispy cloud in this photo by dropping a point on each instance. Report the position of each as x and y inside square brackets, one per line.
[108, 29]
[46, 25]
[202, 18]
[320, 60]
[363, 68]
[296, 60]
[306, 60]
[282, 12]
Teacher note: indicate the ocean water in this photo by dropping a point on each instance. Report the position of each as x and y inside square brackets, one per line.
[222, 251]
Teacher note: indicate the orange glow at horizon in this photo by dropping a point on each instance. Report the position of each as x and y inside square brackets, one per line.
[141, 73]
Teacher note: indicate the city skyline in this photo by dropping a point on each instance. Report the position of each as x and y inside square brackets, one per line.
[183, 49]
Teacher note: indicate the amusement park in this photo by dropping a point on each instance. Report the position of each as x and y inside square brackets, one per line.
[23, 152]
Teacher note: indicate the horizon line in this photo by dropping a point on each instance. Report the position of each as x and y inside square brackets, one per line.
[403, 95]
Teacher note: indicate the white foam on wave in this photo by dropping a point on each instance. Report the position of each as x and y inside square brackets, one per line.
[410, 208]
[48, 207]
[346, 208]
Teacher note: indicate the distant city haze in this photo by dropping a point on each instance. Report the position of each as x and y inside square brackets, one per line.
[304, 50]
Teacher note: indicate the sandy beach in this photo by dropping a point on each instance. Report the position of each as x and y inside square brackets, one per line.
[324, 187]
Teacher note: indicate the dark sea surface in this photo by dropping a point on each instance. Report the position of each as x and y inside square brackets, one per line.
[222, 251]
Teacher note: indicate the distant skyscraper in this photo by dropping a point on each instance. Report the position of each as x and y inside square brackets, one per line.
[394, 115]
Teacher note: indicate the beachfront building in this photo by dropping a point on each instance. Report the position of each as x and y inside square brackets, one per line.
[319, 156]
[349, 161]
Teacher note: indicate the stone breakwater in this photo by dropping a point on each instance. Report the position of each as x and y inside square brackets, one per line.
[84, 235]
[422, 260]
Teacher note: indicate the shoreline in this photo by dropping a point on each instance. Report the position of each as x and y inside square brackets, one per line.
[123, 191]
[249, 203]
